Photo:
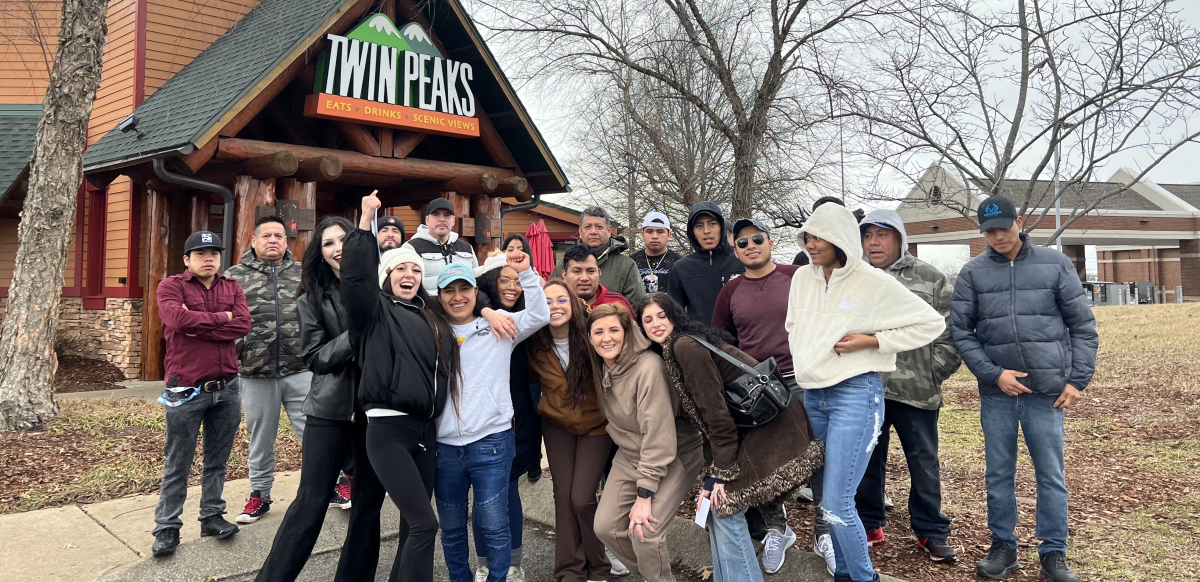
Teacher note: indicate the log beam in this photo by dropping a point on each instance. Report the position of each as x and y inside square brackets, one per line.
[319, 169]
[405, 142]
[484, 183]
[356, 163]
[360, 138]
[384, 136]
[272, 165]
[514, 186]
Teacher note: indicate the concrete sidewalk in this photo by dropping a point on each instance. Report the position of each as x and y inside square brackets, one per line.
[148, 389]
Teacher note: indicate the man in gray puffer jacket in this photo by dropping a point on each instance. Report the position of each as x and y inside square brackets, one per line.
[271, 358]
[1023, 326]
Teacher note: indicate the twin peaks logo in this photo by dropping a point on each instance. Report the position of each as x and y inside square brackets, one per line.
[380, 75]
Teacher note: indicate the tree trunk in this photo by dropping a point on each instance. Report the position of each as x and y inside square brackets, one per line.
[27, 362]
[745, 158]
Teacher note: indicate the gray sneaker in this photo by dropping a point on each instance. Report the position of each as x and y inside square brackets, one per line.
[824, 547]
[775, 545]
[805, 495]
[617, 568]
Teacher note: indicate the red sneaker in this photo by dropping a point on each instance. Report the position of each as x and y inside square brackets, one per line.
[256, 507]
[341, 492]
[875, 537]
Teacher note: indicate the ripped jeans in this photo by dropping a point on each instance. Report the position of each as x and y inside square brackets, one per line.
[482, 468]
[847, 416]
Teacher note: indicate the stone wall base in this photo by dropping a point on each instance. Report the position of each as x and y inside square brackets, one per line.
[112, 334]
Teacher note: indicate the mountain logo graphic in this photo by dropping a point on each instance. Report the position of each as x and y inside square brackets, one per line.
[378, 29]
[991, 210]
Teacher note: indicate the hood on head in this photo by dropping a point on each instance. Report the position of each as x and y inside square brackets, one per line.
[836, 224]
[423, 233]
[890, 218]
[710, 208]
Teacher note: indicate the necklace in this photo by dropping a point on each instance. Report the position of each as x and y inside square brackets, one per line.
[652, 277]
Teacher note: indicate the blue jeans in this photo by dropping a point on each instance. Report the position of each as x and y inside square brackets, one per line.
[483, 466]
[1042, 425]
[847, 416]
[516, 524]
[733, 558]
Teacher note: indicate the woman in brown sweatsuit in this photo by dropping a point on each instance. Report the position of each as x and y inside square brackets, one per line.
[573, 427]
[656, 464]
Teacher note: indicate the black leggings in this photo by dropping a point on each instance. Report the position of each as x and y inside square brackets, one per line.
[403, 453]
[326, 445]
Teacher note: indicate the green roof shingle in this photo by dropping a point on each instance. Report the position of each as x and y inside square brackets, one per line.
[18, 128]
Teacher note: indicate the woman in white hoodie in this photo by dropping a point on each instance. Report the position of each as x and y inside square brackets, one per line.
[846, 322]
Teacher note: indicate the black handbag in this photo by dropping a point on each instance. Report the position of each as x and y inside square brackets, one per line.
[755, 397]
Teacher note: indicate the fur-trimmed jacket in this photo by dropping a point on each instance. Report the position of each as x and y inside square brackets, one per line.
[758, 465]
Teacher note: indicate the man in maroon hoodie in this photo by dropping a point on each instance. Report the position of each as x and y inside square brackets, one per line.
[203, 314]
[582, 274]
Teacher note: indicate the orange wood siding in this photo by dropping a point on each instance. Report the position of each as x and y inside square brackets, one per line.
[116, 247]
[28, 39]
[8, 249]
[176, 31]
[114, 99]
[519, 222]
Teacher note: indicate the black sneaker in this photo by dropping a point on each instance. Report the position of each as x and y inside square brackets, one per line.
[217, 527]
[342, 493]
[256, 507]
[1055, 568]
[1000, 561]
[165, 542]
[535, 474]
[938, 550]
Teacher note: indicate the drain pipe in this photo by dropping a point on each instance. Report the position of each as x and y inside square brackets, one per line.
[160, 170]
[533, 202]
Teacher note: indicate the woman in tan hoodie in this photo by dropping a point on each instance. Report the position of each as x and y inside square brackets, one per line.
[656, 464]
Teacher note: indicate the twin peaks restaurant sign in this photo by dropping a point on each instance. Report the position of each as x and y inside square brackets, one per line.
[379, 75]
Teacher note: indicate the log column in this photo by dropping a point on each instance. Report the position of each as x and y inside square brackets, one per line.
[490, 205]
[198, 210]
[306, 194]
[158, 241]
[249, 193]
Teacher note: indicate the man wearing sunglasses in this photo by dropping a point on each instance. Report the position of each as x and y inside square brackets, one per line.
[914, 396]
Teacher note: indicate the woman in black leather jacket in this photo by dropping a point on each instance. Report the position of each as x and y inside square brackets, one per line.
[336, 425]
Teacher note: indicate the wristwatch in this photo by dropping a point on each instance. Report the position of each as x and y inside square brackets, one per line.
[645, 493]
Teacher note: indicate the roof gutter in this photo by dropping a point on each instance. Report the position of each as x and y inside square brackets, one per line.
[160, 170]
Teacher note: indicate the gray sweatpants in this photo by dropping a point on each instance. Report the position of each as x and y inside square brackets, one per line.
[261, 398]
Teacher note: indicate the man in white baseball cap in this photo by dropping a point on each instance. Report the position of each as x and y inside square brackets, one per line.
[654, 262]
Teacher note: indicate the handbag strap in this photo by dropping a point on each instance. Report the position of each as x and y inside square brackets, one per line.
[728, 358]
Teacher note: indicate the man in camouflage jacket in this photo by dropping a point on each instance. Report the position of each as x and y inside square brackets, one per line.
[271, 358]
[913, 393]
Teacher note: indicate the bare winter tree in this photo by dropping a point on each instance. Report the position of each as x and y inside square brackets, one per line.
[751, 58]
[47, 220]
[994, 93]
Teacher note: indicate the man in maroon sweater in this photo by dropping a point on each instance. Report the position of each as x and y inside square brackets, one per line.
[203, 314]
[582, 274]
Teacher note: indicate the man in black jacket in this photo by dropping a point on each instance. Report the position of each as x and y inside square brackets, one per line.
[1022, 324]
[697, 279]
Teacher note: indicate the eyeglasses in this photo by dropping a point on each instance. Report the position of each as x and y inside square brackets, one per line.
[506, 282]
[745, 241]
[561, 301]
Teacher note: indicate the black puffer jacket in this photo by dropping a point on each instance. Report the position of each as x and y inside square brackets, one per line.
[393, 343]
[1030, 315]
[329, 356]
[697, 279]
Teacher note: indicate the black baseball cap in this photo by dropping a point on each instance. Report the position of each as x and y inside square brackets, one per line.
[438, 204]
[745, 222]
[390, 221]
[202, 239]
[996, 212]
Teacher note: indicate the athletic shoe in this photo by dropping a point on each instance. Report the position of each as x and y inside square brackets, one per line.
[938, 550]
[481, 574]
[775, 546]
[535, 475]
[875, 537]
[617, 568]
[824, 547]
[217, 527]
[516, 574]
[341, 492]
[805, 495]
[1000, 561]
[165, 542]
[888, 504]
[256, 507]
[1055, 568]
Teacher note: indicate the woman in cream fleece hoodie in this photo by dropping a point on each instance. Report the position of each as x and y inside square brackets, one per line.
[846, 322]
[658, 460]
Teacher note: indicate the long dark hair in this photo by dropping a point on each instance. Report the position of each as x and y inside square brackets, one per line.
[682, 322]
[443, 334]
[488, 284]
[579, 364]
[520, 237]
[316, 276]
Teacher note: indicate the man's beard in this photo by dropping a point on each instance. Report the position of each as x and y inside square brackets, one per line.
[388, 245]
[766, 260]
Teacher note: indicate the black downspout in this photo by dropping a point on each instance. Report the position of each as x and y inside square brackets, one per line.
[160, 170]
[533, 202]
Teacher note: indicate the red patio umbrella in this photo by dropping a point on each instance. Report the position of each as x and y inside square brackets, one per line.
[541, 248]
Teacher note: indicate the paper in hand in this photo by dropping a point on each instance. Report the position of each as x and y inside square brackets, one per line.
[702, 515]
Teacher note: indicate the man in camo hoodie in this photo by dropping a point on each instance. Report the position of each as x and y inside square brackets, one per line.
[271, 358]
[913, 394]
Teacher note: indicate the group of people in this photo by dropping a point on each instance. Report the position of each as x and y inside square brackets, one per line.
[412, 370]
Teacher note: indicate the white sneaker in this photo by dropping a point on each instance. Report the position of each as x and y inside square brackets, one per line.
[824, 547]
[516, 574]
[481, 574]
[618, 569]
[887, 502]
[805, 495]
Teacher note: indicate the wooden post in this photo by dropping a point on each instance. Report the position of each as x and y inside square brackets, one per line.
[480, 204]
[158, 241]
[198, 211]
[249, 194]
[306, 194]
